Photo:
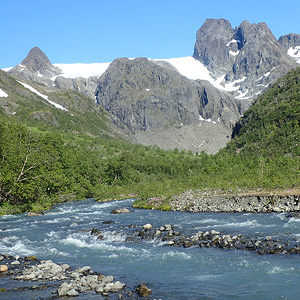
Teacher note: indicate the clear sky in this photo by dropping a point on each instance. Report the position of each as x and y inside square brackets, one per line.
[87, 31]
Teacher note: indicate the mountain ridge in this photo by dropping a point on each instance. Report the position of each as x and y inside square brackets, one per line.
[228, 70]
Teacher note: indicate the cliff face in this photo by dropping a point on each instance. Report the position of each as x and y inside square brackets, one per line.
[248, 56]
[144, 96]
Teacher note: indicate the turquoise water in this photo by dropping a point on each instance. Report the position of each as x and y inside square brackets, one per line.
[171, 272]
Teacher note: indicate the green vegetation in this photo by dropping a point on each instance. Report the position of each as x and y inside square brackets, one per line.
[45, 163]
[271, 126]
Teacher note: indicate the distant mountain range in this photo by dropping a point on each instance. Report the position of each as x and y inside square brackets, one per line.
[190, 102]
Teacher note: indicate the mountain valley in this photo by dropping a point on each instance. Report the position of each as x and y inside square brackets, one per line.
[188, 103]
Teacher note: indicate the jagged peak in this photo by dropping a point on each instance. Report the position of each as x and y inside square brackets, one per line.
[36, 63]
[36, 54]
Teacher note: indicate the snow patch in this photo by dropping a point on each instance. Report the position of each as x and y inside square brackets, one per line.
[295, 53]
[242, 95]
[231, 87]
[189, 67]
[27, 86]
[81, 70]
[234, 53]
[206, 120]
[233, 42]
[3, 94]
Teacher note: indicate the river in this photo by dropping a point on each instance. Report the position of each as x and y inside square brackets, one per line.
[173, 273]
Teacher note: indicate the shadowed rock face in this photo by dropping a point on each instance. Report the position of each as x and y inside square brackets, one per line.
[145, 96]
[249, 52]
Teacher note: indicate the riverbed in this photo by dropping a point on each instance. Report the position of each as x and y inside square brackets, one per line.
[63, 235]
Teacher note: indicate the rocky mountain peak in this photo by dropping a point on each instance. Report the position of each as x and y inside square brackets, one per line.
[290, 40]
[36, 66]
[212, 38]
[37, 62]
[249, 58]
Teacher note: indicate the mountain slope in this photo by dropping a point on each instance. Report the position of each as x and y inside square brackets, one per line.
[45, 107]
[150, 98]
[271, 126]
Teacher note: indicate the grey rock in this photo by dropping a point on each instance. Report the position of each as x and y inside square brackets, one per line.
[83, 269]
[64, 288]
[147, 226]
[288, 41]
[144, 97]
[108, 279]
[36, 67]
[249, 53]
[72, 293]
[120, 211]
[65, 267]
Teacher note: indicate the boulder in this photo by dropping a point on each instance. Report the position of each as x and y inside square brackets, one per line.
[3, 268]
[143, 290]
[120, 211]
[147, 226]
[33, 214]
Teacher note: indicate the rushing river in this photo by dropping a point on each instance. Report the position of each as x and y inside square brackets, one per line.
[171, 272]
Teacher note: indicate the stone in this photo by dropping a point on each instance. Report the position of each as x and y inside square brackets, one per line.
[64, 289]
[143, 290]
[119, 285]
[108, 222]
[33, 214]
[3, 268]
[65, 267]
[95, 231]
[147, 226]
[108, 279]
[99, 288]
[120, 211]
[157, 232]
[29, 258]
[83, 269]
[72, 293]
[16, 262]
[168, 227]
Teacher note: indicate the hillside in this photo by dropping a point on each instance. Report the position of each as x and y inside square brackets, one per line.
[271, 126]
[50, 108]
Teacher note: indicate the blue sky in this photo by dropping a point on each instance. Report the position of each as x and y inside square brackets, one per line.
[87, 31]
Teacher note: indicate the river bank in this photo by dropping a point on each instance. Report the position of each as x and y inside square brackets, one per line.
[256, 201]
[248, 202]
[52, 280]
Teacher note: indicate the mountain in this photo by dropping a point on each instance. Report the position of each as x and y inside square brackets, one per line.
[248, 57]
[36, 67]
[187, 103]
[291, 43]
[50, 108]
[150, 98]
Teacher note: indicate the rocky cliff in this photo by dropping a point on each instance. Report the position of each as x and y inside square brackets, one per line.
[248, 57]
[36, 67]
[145, 96]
